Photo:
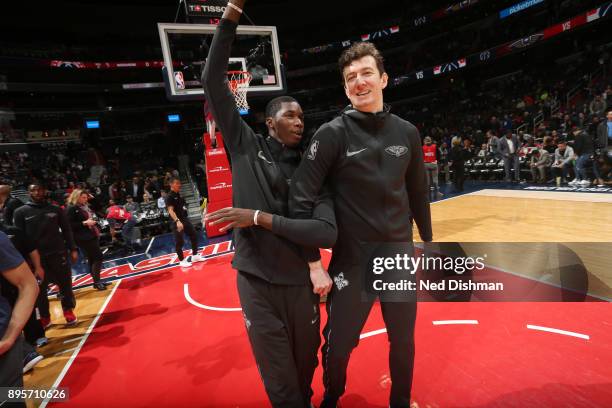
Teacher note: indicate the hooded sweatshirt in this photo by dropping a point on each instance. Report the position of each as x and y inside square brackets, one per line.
[46, 225]
[373, 164]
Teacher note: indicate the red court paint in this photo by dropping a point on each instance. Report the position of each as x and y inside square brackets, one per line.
[152, 348]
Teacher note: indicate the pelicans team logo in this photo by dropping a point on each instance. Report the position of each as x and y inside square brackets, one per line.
[341, 283]
[397, 151]
[247, 322]
[312, 152]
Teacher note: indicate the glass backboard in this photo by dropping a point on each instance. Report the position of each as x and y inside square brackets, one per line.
[185, 49]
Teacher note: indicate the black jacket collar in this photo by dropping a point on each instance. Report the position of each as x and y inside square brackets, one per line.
[280, 152]
[42, 204]
[367, 119]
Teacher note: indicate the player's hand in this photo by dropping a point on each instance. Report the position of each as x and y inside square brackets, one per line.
[230, 11]
[39, 273]
[236, 217]
[179, 226]
[90, 222]
[5, 345]
[74, 256]
[320, 279]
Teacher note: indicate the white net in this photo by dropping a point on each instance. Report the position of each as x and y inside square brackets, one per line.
[239, 85]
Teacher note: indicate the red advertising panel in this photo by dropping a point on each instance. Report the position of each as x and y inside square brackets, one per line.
[219, 179]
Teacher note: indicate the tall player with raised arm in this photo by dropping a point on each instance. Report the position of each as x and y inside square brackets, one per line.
[278, 288]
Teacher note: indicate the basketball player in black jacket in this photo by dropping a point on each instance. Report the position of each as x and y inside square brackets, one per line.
[46, 224]
[373, 161]
[278, 289]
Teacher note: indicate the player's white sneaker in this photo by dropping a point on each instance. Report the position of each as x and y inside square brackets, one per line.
[185, 263]
[585, 183]
[197, 258]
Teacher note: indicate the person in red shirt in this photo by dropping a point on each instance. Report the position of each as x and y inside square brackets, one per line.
[117, 215]
[430, 152]
[117, 212]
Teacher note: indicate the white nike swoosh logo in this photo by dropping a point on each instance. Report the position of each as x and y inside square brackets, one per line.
[350, 154]
[262, 157]
[29, 218]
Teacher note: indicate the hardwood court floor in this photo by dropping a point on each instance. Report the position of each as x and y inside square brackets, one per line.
[63, 340]
[523, 216]
[532, 217]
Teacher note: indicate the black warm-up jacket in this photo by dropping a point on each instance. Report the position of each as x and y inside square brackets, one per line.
[260, 181]
[46, 225]
[373, 164]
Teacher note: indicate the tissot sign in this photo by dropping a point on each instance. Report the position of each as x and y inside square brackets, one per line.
[205, 8]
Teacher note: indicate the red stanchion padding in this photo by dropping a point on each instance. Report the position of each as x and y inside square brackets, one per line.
[219, 179]
[208, 141]
[216, 157]
[219, 186]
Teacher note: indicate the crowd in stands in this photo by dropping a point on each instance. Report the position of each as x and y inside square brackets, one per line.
[64, 171]
[469, 109]
[570, 146]
[62, 204]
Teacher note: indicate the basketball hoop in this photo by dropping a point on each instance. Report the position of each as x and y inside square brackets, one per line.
[239, 85]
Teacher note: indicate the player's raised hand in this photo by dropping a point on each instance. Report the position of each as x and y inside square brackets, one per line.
[233, 11]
